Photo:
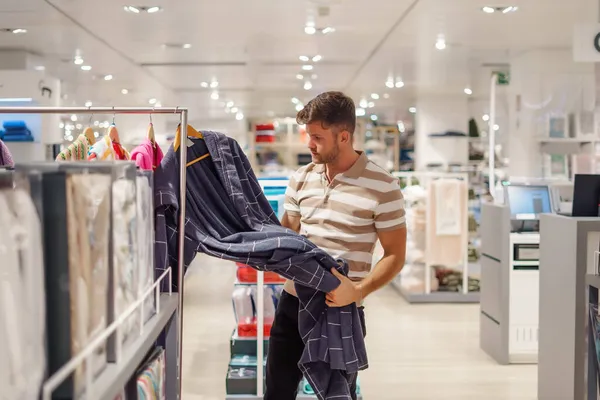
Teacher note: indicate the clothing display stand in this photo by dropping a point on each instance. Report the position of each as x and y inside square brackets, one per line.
[461, 293]
[169, 316]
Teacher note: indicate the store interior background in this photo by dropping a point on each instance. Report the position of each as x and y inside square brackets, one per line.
[413, 67]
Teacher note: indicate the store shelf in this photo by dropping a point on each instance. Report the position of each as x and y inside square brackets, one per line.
[436, 297]
[112, 380]
[563, 145]
[593, 280]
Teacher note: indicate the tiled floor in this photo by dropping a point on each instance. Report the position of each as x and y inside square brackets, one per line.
[416, 352]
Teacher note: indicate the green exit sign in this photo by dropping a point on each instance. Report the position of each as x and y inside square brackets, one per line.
[503, 78]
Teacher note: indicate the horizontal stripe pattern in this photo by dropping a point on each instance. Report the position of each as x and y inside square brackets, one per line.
[343, 217]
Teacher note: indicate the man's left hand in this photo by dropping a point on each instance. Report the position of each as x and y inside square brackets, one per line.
[346, 293]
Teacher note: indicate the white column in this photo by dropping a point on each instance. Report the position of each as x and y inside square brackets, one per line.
[543, 83]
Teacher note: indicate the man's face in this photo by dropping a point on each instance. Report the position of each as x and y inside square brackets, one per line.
[323, 143]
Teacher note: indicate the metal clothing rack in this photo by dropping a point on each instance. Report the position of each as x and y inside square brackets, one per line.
[183, 113]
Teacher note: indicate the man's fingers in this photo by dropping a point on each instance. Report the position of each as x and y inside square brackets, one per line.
[336, 273]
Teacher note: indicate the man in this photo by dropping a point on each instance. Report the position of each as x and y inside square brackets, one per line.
[343, 203]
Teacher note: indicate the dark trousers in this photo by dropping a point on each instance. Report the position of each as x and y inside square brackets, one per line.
[285, 350]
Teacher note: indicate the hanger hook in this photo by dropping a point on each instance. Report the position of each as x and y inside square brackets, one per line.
[151, 115]
[91, 117]
[113, 121]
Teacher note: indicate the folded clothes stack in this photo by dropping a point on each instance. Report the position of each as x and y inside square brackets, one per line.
[15, 131]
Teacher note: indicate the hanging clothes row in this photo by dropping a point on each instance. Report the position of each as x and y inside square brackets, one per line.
[147, 155]
[6, 158]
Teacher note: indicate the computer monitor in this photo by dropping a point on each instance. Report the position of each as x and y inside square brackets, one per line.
[586, 195]
[527, 202]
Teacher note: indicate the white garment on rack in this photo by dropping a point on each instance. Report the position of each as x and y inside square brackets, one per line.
[145, 246]
[22, 299]
[447, 207]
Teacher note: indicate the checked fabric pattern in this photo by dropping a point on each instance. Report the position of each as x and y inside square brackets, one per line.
[229, 217]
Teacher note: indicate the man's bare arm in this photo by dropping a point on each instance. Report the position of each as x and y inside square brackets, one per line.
[291, 222]
[394, 248]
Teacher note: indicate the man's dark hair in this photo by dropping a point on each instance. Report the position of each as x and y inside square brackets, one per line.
[332, 109]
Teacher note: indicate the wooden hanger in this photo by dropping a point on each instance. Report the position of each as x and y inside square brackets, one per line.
[191, 132]
[89, 134]
[113, 134]
[150, 134]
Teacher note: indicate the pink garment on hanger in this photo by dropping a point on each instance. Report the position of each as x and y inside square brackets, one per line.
[147, 155]
[448, 250]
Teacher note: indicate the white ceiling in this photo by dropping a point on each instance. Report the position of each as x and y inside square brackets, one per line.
[252, 47]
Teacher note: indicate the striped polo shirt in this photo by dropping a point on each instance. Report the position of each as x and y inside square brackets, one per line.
[344, 216]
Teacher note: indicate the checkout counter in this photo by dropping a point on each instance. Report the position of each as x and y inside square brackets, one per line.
[510, 270]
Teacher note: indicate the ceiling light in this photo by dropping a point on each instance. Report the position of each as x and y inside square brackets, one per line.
[412, 110]
[153, 9]
[371, 104]
[230, 104]
[386, 96]
[299, 107]
[327, 30]
[488, 9]
[234, 109]
[496, 127]
[399, 84]
[317, 58]
[204, 84]
[74, 118]
[360, 112]
[96, 123]
[214, 84]
[468, 91]
[214, 95]
[373, 117]
[363, 103]
[239, 116]
[307, 85]
[78, 60]
[299, 76]
[295, 100]
[39, 68]
[401, 127]
[374, 96]
[509, 9]
[15, 99]
[314, 76]
[108, 77]
[158, 104]
[96, 134]
[131, 9]
[310, 30]
[88, 103]
[307, 67]
[389, 84]
[152, 101]
[187, 46]
[440, 43]
[61, 125]
[124, 91]
[485, 117]
[78, 126]
[86, 67]
[19, 31]
[303, 58]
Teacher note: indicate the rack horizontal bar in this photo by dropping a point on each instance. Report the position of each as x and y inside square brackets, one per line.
[92, 110]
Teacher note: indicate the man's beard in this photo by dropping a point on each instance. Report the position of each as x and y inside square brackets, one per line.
[327, 158]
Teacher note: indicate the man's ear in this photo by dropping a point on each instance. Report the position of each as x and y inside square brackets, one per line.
[345, 136]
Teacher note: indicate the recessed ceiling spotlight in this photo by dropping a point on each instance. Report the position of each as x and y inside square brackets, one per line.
[399, 84]
[509, 9]
[108, 77]
[307, 67]
[374, 96]
[303, 58]
[131, 9]
[214, 95]
[204, 84]
[187, 46]
[488, 9]
[412, 110]
[485, 117]
[78, 60]
[214, 84]
[234, 109]
[389, 83]
[39, 68]
[86, 67]
[314, 76]
[468, 91]
[158, 104]
[152, 101]
[327, 30]
[88, 103]
[310, 29]
[295, 100]
[176, 46]
[239, 116]
[363, 103]
[371, 104]
[386, 96]
[124, 91]
[300, 76]
[317, 58]
[440, 44]
[307, 85]
[299, 107]
[139, 9]
[229, 104]
[360, 112]
[74, 118]
[153, 9]
[496, 127]
[19, 31]
[373, 117]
